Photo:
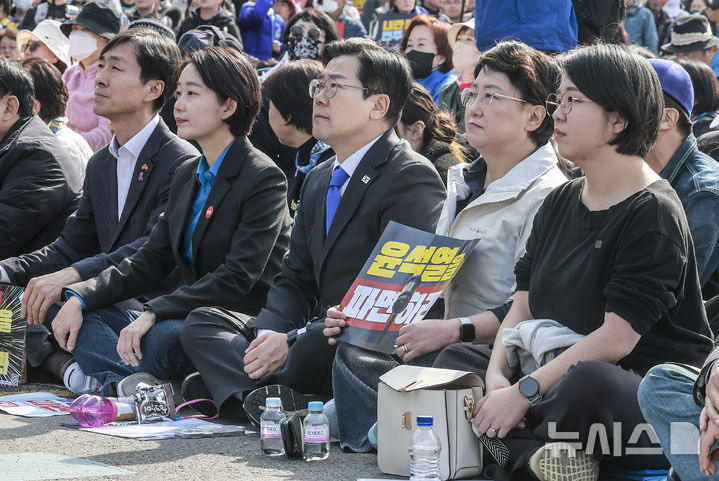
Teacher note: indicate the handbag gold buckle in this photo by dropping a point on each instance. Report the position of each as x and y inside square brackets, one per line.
[468, 407]
[407, 420]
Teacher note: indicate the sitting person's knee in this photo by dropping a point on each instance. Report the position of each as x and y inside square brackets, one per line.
[587, 382]
[195, 319]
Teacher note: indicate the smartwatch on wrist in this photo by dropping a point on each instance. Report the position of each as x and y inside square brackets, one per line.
[529, 388]
[466, 330]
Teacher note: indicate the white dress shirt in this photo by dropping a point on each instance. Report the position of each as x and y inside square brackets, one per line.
[126, 159]
[126, 156]
[349, 165]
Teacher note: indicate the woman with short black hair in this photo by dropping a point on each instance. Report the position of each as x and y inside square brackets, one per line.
[225, 231]
[609, 267]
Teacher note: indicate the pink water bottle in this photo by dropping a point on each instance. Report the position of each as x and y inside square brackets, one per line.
[93, 411]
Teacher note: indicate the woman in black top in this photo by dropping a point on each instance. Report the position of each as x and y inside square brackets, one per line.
[610, 256]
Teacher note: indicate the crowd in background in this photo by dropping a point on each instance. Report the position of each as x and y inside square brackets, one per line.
[188, 189]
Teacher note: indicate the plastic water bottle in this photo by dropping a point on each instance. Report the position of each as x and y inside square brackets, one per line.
[94, 411]
[316, 441]
[270, 433]
[424, 451]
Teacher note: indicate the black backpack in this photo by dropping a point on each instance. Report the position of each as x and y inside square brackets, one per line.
[598, 20]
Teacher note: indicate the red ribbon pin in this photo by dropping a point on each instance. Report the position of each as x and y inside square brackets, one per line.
[209, 212]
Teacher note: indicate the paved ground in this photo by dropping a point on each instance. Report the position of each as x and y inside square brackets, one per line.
[235, 458]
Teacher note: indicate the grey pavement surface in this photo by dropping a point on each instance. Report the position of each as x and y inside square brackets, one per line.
[235, 458]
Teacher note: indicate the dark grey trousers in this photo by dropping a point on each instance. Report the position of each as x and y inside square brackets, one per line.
[215, 340]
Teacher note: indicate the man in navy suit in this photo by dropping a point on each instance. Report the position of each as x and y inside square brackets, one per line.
[126, 188]
[345, 204]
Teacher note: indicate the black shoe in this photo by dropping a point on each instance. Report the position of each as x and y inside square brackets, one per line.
[292, 401]
[193, 387]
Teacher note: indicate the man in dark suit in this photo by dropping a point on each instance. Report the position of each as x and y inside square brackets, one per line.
[37, 191]
[126, 189]
[226, 229]
[345, 205]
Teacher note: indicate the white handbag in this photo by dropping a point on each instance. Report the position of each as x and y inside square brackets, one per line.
[448, 396]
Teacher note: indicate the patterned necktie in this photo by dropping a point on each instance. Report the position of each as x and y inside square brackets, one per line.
[339, 177]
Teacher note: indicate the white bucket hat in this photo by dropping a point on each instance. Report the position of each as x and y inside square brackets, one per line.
[49, 33]
[455, 28]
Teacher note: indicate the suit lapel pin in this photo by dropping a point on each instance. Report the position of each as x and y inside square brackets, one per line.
[209, 212]
[366, 179]
[143, 169]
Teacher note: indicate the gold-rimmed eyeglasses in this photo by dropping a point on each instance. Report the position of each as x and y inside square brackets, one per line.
[486, 98]
[329, 87]
[566, 102]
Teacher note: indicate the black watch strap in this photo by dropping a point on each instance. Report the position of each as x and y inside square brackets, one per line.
[529, 388]
[466, 330]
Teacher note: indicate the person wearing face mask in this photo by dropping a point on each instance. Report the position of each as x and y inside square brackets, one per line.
[305, 37]
[464, 57]
[427, 48]
[89, 32]
[49, 9]
[307, 33]
[336, 10]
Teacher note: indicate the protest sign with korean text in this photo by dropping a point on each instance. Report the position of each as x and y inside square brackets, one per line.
[405, 274]
[390, 29]
[12, 336]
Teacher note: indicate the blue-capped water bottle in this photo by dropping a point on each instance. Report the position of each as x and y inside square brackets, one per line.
[424, 451]
[270, 432]
[316, 433]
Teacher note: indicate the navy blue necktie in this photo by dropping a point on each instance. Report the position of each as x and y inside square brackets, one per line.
[339, 177]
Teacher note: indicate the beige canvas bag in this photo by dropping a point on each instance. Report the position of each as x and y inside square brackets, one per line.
[448, 396]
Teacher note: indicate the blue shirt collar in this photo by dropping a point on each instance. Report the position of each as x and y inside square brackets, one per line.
[203, 168]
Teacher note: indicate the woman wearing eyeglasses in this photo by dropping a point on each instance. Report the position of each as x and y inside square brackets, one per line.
[494, 199]
[307, 33]
[46, 42]
[610, 260]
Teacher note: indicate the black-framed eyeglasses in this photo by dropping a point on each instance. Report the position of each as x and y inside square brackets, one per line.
[313, 33]
[469, 96]
[30, 47]
[566, 102]
[329, 87]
